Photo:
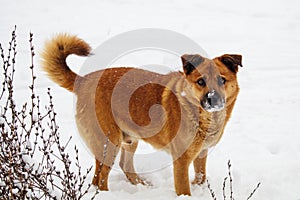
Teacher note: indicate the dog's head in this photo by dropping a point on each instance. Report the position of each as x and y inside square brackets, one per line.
[213, 82]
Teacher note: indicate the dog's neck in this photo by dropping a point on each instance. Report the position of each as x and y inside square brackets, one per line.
[213, 121]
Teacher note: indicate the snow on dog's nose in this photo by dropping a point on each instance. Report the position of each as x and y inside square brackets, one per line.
[213, 102]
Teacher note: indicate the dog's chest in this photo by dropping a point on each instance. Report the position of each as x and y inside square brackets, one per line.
[211, 128]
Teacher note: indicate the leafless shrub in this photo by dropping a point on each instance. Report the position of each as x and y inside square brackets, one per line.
[34, 161]
[213, 195]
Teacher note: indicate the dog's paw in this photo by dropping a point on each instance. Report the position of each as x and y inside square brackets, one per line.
[100, 183]
[135, 179]
[199, 179]
[197, 182]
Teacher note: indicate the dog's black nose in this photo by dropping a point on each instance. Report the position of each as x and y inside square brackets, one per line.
[213, 98]
[212, 101]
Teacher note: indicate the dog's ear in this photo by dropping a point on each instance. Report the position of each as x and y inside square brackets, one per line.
[231, 61]
[190, 62]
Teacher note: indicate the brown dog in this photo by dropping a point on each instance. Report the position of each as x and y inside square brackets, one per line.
[181, 113]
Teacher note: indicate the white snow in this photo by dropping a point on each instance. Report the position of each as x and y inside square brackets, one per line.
[261, 139]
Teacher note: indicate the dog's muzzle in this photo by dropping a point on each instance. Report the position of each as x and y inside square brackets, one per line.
[212, 102]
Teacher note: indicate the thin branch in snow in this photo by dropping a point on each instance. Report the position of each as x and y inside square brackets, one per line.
[224, 188]
[254, 190]
[230, 180]
[212, 193]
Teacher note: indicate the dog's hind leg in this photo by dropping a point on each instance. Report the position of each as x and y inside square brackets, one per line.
[101, 175]
[126, 163]
[104, 162]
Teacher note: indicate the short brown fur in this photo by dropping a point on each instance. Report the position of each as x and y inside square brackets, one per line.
[184, 128]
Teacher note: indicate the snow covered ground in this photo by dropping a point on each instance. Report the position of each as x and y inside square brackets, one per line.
[262, 139]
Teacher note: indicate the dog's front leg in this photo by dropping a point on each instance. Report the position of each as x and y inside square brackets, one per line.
[181, 176]
[200, 167]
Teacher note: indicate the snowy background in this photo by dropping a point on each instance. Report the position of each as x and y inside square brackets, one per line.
[262, 139]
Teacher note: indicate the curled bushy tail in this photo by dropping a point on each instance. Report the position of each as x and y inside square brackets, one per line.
[54, 58]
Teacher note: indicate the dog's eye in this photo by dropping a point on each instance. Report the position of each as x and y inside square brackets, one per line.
[222, 80]
[201, 82]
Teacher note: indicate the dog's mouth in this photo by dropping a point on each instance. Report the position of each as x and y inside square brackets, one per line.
[212, 102]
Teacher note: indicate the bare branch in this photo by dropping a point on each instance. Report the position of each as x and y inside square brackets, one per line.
[30, 144]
